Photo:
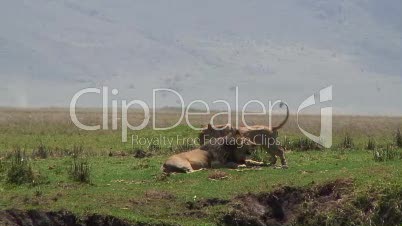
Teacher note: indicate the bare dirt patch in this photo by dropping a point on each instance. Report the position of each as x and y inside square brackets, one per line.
[155, 194]
[139, 153]
[218, 175]
[197, 205]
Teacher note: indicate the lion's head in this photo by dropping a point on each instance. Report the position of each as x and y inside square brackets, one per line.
[211, 131]
[241, 148]
[231, 147]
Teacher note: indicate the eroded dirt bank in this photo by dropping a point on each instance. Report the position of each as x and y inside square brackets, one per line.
[61, 218]
[334, 203]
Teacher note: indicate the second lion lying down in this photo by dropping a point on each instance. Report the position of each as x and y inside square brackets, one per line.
[229, 151]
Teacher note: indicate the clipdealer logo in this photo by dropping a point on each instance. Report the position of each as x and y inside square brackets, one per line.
[325, 95]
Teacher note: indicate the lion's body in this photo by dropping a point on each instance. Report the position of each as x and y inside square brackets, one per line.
[228, 151]
[189, 161]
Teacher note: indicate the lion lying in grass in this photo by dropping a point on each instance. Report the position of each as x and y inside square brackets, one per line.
[264, 136]
[229, 151]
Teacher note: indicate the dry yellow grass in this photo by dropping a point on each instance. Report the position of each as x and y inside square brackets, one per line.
[28, 127]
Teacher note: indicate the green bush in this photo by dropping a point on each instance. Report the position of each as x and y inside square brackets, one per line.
[76, 151]
[398, 138]
[371, 144]
[80, 170]
[386, 154]
[41, 152]
[2, 169]
[347, 142]
[2, 166]
[19, 171]
[286, 143]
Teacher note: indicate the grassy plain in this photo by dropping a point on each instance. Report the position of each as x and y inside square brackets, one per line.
[134, 189]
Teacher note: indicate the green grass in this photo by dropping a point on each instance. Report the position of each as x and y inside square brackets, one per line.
[120, 185]
[99, 141]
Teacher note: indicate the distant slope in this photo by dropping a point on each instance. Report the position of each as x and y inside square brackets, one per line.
[269, 48]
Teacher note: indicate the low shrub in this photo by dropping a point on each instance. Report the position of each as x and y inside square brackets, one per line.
[2, 169]
[347, 142]
[20, 170]
[371, 144]
[286, 143]
[386, 154]
[2, 166]
[76, 151]
[398, 139]
[80, 170]
[41, 152]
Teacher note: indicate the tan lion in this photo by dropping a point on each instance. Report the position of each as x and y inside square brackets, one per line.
[228, 151]
[264, 136]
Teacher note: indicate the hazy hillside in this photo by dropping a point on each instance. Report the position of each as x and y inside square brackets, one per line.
[270, 49]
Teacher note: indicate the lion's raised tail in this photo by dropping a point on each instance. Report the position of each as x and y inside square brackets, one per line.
[286, 119]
